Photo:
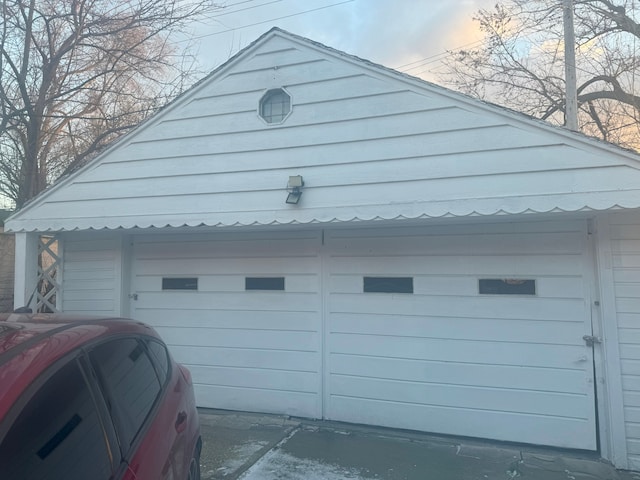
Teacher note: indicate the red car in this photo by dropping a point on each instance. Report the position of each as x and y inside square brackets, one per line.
[97, 399]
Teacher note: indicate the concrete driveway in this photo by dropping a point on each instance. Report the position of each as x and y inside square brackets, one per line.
[249, 446]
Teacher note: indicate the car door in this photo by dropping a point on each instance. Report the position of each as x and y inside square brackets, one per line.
[56, 430]
[134, 389]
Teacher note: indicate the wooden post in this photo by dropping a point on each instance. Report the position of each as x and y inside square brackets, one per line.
[26, 269]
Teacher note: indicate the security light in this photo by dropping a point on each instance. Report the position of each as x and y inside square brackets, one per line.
[295, 181]
[294, 187]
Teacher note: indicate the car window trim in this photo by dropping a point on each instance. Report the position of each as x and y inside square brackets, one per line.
[106, 422]
[154, 361]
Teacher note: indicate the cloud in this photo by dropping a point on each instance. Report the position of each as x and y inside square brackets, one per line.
[392, 33]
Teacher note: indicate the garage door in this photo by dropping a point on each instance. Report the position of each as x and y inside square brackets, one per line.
[473, 331]
[242, 312]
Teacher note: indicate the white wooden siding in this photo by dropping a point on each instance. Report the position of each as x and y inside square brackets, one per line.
[446, 359]
[92, 274]
[362, 138]
[625, 247]
[247, 350]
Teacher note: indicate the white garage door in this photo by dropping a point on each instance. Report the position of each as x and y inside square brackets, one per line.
[484, 338]
[243, 313]
[466, 330]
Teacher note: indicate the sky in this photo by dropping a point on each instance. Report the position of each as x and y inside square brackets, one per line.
[409, 35]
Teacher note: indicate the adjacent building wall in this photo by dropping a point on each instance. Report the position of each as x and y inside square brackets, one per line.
[7, 261]
[625, 250]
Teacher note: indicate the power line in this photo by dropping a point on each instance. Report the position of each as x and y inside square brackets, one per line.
[441, 54]
[237, 3]
[266, 21]
[243, 9]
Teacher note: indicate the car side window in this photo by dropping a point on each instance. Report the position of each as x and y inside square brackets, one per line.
[130, 383]
[160, 358]
[58, 434]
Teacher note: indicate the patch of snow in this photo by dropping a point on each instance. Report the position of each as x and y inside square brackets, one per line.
[239, 456]
[277, 465]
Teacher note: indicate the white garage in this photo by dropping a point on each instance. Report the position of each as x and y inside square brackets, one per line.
[318, 236]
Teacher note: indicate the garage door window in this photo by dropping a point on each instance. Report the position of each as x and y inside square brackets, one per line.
[264, 283]
[170, 283]
[506, 286]
[388, 285]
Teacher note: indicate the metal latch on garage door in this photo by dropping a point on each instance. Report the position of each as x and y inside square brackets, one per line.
[591, 340]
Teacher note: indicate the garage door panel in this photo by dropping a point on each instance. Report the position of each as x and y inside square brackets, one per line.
[225, 249]
[498, 376]
[494, 353]
[484, 227]
[230, 319]
[448, 359]
[257, 400]
[533, 429]
[260, 378]
[629, 367]
[501, 266]
[258, 301]
[546, 287]
[295, 283]
[226, 266]
[501, 307]
[455, 328]
[462, 396]
[264, 339]
[257, 350]
[483, 244]
[246, 358]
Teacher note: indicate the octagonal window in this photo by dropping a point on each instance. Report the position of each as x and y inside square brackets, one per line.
[275, 105]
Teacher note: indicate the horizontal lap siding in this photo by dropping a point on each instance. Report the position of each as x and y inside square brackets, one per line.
[446, 359]
[625, 246]
[92, 274]
[357, 136]
[246, 350]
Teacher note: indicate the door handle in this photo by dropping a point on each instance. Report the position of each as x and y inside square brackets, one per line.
[181, 421]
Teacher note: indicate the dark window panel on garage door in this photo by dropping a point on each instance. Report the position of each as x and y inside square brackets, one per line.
[507, 286]
[169, 283]
[388, 285]
[264, 283]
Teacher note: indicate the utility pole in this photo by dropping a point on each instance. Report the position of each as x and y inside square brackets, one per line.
[571, 92]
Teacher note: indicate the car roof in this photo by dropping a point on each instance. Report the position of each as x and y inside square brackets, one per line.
[30, 343]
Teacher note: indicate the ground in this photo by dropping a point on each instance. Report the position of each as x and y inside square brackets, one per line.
[248, 446]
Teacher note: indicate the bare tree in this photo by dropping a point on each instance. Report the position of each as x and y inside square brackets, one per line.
[520, 63]
[76, 74]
